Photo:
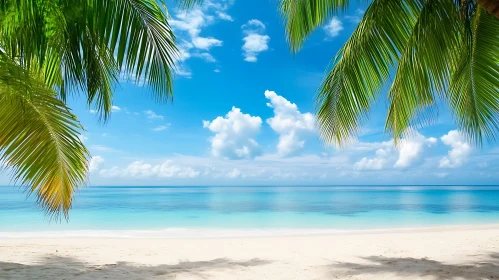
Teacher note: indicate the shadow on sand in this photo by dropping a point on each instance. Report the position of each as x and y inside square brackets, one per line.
[56, 267]
[411, 268]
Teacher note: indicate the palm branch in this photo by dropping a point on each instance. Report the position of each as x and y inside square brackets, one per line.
[54, 48]
[39, 139]
[438, 50]
[84, 46]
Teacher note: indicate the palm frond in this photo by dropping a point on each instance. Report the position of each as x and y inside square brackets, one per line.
[84, 45]
[138, 33]
[473, 93]
[362, 67]
[303, 16]
[425, 67]
[39, 139]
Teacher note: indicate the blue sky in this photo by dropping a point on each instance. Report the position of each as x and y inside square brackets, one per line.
[243, 115]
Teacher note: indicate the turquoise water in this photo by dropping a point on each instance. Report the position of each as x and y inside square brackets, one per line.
[335, 207]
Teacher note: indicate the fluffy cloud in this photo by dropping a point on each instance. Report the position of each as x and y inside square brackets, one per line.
[375, 163]
[460, 149]
[95, 163]
[191, 22]
[206, 43]
[142, 169]
[255, 40]
[289, 123]
[334, 27]
[347, 166]
[234, 135]
[408, 152]
[225, 16]
[151, 115]
[115, 109]
[201, 169]
[411, 149]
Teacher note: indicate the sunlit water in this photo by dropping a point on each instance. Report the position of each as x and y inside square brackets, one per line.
[335, 207]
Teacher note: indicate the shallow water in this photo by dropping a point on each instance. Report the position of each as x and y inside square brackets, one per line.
[334, 207]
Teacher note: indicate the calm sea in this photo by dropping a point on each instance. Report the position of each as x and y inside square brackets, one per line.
[335, 207]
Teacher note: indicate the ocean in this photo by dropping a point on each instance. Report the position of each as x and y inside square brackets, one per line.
[245, 208]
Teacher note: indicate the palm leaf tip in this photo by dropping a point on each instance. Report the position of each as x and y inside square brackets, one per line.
[303, 16]
[39, 140]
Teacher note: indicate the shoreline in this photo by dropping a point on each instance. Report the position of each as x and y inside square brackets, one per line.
[222, 233]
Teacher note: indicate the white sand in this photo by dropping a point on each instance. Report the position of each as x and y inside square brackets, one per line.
[433, 253]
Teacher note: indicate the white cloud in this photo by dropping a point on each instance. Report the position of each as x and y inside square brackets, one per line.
[271, 169]
[189, 24]
[138, 169]
[459, 152]
[183, 72]
[289, 123]
[95, 163]
[152, 115]
[205, 56]
[234, 173]
[115, 109]
[254, 24]
[191, 21]
[369, 164]
[206, 43]
[161, 127]
[375, 163]
[234, 135]
[91, 111]
[411, 149]
[183, 50]
[334, 27]
[225, 16]
[255, 40]
[262, 168]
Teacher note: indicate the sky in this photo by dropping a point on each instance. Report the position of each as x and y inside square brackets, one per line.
[243, 114]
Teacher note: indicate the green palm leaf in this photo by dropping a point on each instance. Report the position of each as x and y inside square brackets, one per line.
[84, 45]
[474, 89]
[53, 48]
[138, 33]
[437, 48]
[362, 67]
[425, 66]
[39, 139]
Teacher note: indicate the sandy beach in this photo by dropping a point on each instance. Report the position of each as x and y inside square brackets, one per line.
[430, 253]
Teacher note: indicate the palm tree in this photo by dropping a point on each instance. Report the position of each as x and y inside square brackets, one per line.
[430, 49]
[51, 49]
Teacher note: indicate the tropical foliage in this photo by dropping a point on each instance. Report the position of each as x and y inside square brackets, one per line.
[51, 49]
[430, 50]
